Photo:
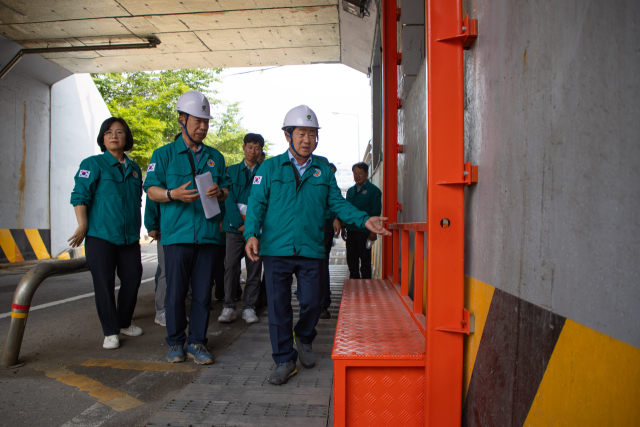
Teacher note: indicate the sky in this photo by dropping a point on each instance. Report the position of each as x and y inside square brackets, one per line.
[265, 97]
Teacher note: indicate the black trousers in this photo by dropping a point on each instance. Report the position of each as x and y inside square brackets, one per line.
[328, 241]
[188, 264]
[105, 260]
[358, 255]
[218, 271]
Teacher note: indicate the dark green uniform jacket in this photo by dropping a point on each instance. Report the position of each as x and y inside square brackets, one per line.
[292, 217]
[170, 168]
[113, 202]
[241, 179]
[369, 200]
[152, 215]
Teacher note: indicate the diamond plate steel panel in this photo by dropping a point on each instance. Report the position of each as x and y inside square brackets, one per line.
[209, 407]
[373, 324]
[385, 397]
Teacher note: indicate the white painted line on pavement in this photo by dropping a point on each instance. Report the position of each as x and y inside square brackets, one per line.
[62, 301]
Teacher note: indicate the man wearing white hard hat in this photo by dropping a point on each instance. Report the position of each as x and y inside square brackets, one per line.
[289, 196]
[188, 237]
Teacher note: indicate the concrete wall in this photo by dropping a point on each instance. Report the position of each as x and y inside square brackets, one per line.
[552, 120]
[77, 111]
[24, 144]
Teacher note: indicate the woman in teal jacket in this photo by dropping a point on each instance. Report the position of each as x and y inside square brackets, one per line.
[107, 198]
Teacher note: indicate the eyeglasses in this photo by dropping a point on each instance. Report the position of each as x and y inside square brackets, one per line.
[118, 133]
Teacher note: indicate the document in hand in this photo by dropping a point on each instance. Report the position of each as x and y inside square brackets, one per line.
[211, 207]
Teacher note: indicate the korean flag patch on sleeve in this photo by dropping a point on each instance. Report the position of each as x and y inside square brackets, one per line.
[84, 174]
[152, 167]
[257, 179]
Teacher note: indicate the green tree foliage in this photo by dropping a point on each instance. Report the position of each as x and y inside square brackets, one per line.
[227, 136]
[146, 100]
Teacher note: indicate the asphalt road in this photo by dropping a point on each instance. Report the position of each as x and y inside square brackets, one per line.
[68, 378]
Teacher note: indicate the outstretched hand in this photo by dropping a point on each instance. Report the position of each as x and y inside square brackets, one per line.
[374, 224]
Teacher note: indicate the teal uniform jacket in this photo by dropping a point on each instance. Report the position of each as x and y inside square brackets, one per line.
[238, 195]
[369, 200]
[328, 215]
[170, 168]
[113, 202]
[152, 215]
[292, 219]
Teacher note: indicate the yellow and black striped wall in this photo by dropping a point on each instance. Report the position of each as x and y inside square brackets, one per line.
[528, 366]
[17, 245]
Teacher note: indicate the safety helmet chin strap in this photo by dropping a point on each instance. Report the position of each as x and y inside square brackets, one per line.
[291, 142]
[185, 127]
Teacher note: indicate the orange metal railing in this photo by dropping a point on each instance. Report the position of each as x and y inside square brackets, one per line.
[401, 266]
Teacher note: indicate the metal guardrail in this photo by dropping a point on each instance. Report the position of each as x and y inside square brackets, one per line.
[22, 303]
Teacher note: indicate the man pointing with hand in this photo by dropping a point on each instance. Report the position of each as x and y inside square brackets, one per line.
[288, 199]
[189, 238]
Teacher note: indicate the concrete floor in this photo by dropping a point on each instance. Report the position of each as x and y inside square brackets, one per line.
[69, 380]
[234, 390]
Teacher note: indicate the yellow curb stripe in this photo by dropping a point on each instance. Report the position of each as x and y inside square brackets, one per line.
[113, 398]
[64, 255]
[19, 315]
[37, 244]
[140, 366]
[9, 246]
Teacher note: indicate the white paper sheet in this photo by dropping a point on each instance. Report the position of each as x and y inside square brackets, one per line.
[211, 206]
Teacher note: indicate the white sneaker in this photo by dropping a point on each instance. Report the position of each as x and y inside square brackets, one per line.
[111, 342]
[132, 331]
[228, 315]
[249, 315]
[161, 319]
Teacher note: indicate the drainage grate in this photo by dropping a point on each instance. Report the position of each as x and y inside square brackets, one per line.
[206, 407]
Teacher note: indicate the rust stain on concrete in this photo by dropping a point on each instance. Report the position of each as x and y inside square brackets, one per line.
[22, 182]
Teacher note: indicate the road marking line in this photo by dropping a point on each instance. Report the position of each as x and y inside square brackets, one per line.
[62, 301]
[96, 415]
[140, 366]
[115, 399]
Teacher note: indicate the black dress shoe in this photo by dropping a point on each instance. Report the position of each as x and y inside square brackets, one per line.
[325, 315]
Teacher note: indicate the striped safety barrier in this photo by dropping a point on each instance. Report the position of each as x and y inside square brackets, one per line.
[17, 245]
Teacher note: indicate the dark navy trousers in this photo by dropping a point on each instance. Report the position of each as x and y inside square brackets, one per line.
[328, 242]
[105, 260]
[278, 272]
[188, 264]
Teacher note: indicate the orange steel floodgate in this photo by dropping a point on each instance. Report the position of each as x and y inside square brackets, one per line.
[396, 362]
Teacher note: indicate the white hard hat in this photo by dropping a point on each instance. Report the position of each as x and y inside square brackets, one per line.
[195, 104]
[300, 116]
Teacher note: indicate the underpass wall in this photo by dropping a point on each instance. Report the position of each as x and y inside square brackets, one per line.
[551, 118]
[24, 168]
[77, 111]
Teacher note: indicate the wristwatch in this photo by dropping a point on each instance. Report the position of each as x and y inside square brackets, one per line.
[169, 195]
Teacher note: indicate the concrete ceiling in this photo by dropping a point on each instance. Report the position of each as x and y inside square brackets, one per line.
[193, 33]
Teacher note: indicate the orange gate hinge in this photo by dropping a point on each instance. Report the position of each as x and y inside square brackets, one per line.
[469, 176]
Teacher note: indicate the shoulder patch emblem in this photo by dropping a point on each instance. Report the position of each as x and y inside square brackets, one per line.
[152, 167]
[210, 163]
[135, 174]
[257, 179]
[317, 172]
[364, 191]
[84, 174]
